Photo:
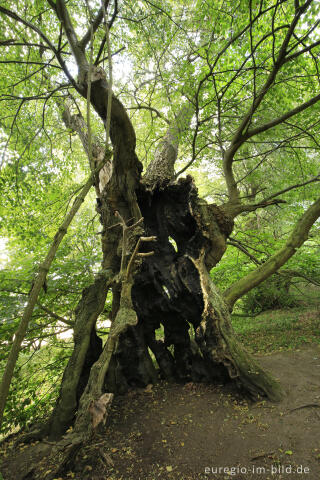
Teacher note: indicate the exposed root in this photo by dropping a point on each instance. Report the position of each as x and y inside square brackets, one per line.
[308, 405]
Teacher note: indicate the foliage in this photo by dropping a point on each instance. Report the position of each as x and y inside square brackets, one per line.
[271, 294]
[255, 239]
[215, 56]
[35, 385]
[285, 329]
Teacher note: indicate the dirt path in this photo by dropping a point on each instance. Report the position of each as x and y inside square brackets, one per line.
[188, 432]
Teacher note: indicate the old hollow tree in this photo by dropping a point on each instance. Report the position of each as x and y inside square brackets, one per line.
[232, 84]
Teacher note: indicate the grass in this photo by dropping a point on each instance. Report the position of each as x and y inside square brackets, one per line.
[279, 329]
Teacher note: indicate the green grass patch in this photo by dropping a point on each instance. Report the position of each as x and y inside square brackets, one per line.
[278, 329]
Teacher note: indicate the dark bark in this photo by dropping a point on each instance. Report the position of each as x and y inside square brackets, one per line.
[173, 290]
[116, 193]
[76, 374]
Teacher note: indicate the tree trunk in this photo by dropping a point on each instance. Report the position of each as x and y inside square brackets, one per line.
[173, 290]
[87, 349]
[116, 193]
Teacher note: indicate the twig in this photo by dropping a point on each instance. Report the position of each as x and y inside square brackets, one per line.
[135, 253]
[308, 405]
[262, 455]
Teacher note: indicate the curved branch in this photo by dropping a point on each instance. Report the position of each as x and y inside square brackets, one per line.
[162, 166]
[298, 236]
[95, 25]
[64, 17]
[283, 118]
[103, 42]
[235, 209]
[242, 248]
[297, 185]
[241, 134]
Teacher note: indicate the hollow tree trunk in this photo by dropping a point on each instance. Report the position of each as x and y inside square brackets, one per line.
[173, 290]
[115, 189]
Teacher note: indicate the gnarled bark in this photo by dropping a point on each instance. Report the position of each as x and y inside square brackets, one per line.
[173, 290]
[77, 371]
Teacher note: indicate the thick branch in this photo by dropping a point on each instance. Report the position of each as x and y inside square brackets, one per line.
[282, 118]
[296, 239]
[107, 27]
[95, 25]
[235, 209]
[162, 167]
[301, 52]
[63, 15]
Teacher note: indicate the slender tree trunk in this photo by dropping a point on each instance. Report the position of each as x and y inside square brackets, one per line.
[75, 375]
[35, 291]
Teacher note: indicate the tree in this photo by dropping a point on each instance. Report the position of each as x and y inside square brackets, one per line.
[230, 84]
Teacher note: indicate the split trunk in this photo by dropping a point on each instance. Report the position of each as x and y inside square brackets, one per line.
[182, 330]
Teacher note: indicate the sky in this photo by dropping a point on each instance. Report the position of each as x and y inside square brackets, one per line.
[3, 252]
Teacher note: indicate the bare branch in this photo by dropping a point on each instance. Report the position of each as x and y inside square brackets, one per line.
[150, 109]
[55, 315]
[57, 53]
[297, 185]
[282, 119]
[298, 236]
[239, 246]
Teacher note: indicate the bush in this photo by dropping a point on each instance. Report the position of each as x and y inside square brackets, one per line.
[273, 293]
[35, 386]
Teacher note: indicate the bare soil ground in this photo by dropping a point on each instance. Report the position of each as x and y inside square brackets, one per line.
[184, 432]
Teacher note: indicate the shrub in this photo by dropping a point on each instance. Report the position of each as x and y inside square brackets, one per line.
[273, 293]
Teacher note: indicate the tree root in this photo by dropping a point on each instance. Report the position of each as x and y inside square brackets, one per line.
[37, 434]
[56, 460]
[308, 405]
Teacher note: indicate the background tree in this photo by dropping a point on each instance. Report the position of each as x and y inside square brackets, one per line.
[225, 87]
